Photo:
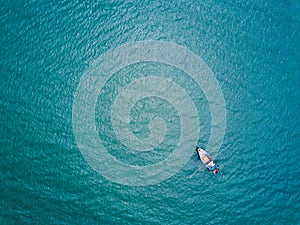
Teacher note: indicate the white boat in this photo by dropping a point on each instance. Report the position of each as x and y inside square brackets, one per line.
[207, 160]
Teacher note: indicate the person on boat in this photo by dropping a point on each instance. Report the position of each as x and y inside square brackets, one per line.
[214, 169]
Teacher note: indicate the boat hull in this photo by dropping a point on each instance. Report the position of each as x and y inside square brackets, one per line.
[207, 160]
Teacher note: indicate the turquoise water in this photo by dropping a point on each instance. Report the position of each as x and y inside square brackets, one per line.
[252, 49]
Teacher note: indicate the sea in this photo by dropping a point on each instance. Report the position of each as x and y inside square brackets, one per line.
[102, 104]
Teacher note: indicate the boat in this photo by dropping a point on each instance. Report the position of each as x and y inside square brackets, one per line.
[207, 160]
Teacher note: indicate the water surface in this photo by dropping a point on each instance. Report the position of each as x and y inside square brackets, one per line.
[253, 51]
